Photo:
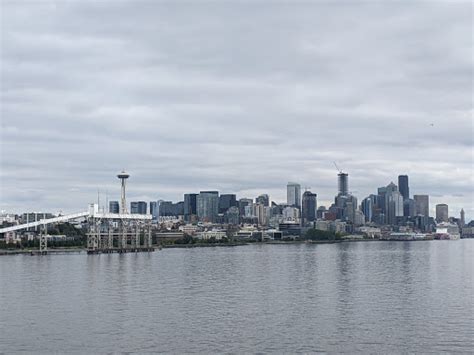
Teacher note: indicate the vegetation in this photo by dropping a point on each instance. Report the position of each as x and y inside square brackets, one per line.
[316, 234]
[187, 239]
[34, 244]
[66, 229]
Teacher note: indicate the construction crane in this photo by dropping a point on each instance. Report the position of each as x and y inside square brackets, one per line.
[340, 171]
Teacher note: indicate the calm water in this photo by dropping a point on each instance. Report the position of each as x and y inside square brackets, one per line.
[366, 297]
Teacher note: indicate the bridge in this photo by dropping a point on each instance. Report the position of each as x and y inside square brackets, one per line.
[107, 232]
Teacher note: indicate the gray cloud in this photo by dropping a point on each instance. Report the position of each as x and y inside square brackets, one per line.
[240, 97]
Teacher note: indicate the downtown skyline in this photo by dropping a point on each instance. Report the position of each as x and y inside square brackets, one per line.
[112, 193]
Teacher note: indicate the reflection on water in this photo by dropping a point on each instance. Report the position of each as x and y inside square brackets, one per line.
[366, 297]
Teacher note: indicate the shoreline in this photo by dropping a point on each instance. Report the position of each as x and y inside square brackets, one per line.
[80, 250]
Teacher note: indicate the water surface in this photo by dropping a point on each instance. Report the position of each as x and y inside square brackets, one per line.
[366, 297]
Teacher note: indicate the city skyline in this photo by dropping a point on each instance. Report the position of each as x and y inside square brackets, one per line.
[187, 100]
[105, 198]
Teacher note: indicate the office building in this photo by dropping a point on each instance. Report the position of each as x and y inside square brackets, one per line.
[114, 207]
[367, 206]
[320, 212]
[165, 208]
[138, 207]
[260, 213]
[462, 219]
[207, 203]
[232, 216]
[226, 201]
[263, 199]
[403, 186]
[244, 202]
[381, 193]
[422, 205]
[309, 207]
[394, 207]
[343, 183]
[154, 209]
[409, 208]
[442, 214]
[293, 194]
[190, 206]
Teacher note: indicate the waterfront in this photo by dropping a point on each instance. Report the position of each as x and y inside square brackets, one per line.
[344, 297]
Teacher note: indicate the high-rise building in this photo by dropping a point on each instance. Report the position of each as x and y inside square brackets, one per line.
[226, 201]
[263, 199]
[403, 186]
[409, 208]
[190, 206]
[293, 194]
[367, 206]
[165, 208]
[381, 193]
[291, 214]
[462, 219]
[207, 206]
[244, 202]
[233, 216]
[422, 205]
[138, 207]
[309, 207]
[442, 214]
[154, 209]
[114, 207]
[350, 208]
[394, 207]
[320, 212]
[343, 183]
[260, 213]
[179, 208]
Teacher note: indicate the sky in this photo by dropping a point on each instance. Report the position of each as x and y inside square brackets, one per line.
[235, 96]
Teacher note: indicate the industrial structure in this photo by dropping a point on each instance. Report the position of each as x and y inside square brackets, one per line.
[107, 232]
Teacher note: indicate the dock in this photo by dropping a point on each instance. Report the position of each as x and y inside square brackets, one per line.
[120, 250]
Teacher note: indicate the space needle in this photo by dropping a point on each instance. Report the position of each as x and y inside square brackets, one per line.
[123, 176]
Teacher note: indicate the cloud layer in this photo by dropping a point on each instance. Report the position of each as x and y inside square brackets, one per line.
[236, 96]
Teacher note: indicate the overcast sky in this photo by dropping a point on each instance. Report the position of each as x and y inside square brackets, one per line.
[240, 97]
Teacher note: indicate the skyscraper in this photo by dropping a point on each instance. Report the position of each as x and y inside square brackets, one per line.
[190, 206]
[409, 208]
[293, 194]
[309, 206]
[422, 205]
[462, 219]
[394, 207]
[263, 199]
[207, 203]
[367, 206]
[138, 207]
[403, 186]
[114, 207]
[232, 216]
[260, 213]
[226, 201]
[343, 183]
[165, 208]
[442, 214]
[154, 209]
[381, 193]
[244, 202]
